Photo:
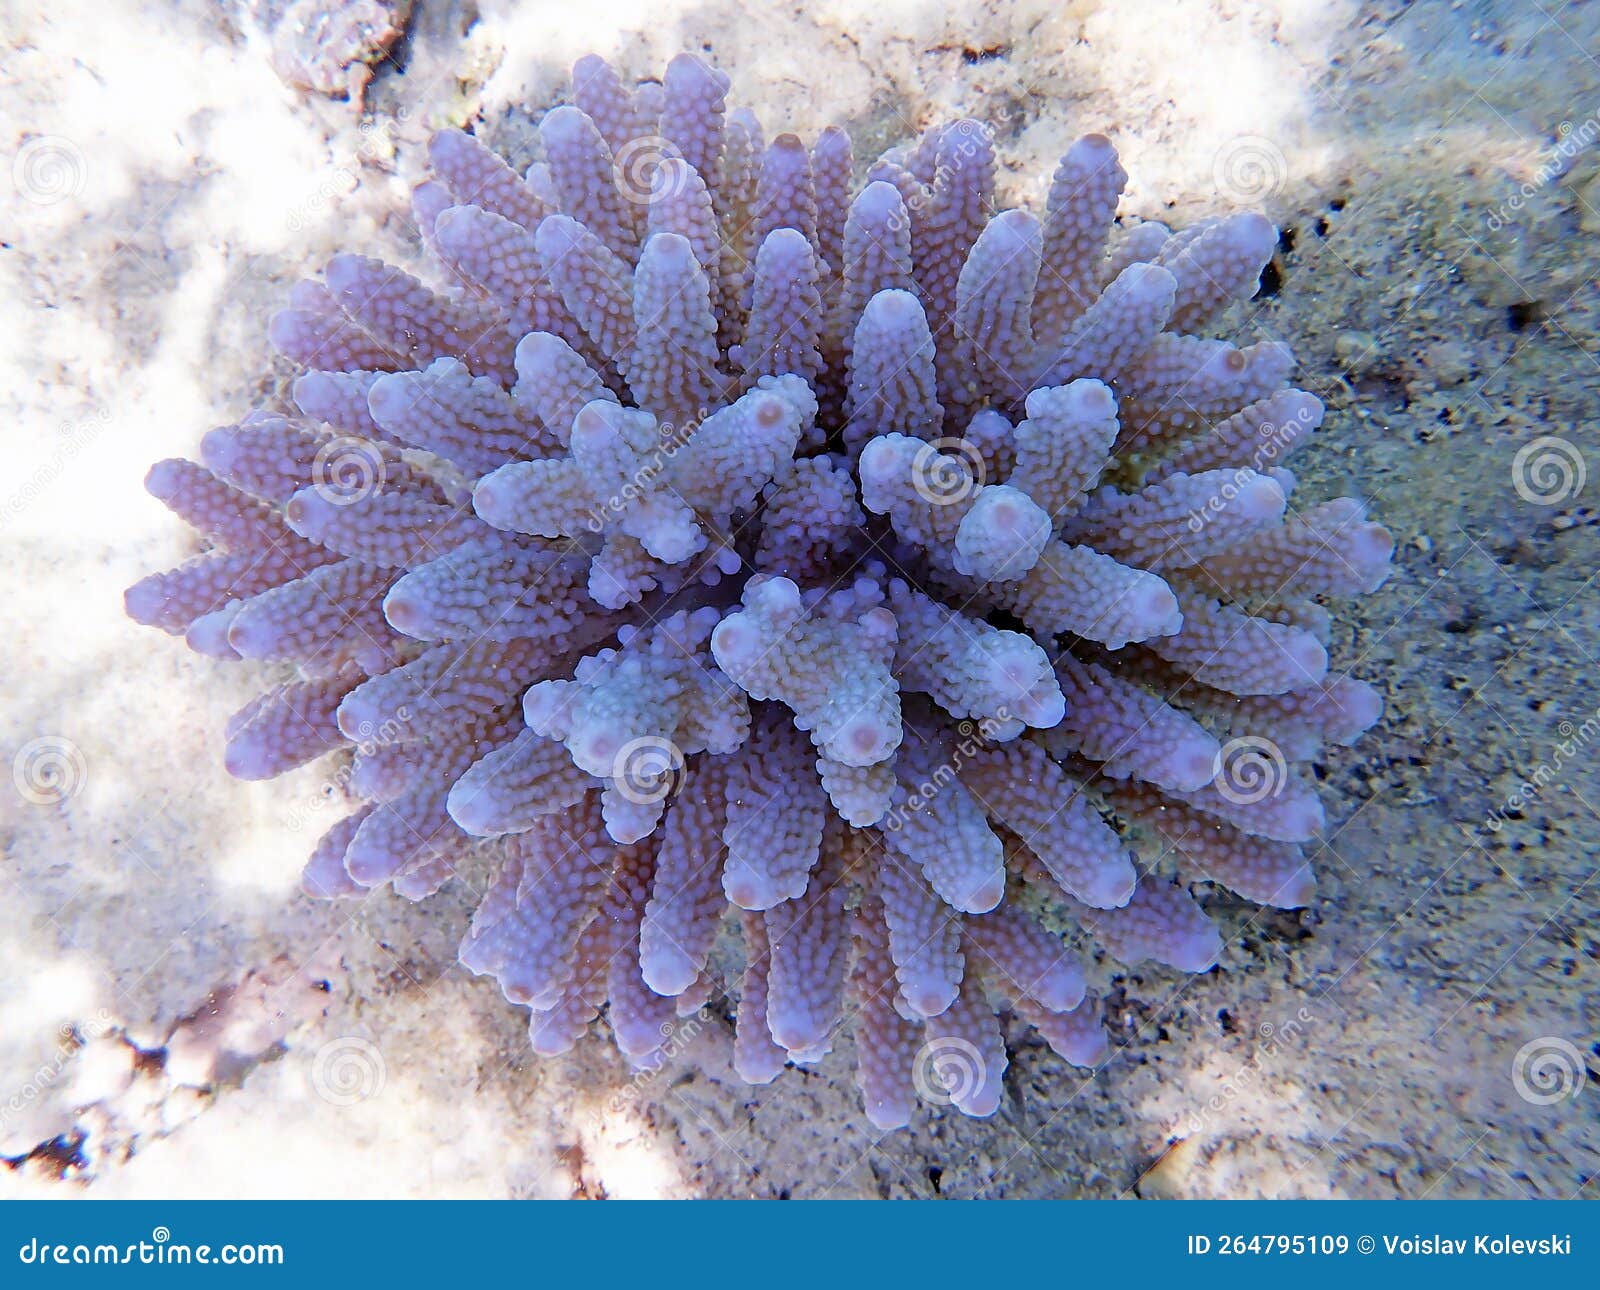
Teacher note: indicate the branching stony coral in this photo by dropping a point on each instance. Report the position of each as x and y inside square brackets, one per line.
[894, 570]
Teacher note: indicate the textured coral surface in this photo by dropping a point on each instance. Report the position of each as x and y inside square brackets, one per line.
[733, 522]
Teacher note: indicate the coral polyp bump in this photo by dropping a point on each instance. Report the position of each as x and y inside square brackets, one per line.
[909, 576]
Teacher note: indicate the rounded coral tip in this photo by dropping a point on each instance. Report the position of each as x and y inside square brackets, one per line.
[1155, 609]
[877, 201]
[1261, 499]
[1198, 951]
[1298, 890]
[1309, 658]
[1258, 236]
[1092, 398]
[769, 412]
[1092, 148]
[219, 449]
[1194, 764]
[866, 741]
[986, 895]
[593, 426]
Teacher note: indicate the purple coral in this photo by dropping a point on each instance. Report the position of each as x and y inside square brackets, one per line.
[882, 568]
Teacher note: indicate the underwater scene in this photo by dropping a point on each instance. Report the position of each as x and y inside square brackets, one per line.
[700, 600]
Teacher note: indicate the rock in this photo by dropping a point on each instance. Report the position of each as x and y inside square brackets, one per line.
[102, 1071]
[192, 1053]
[1356, 351]
[1589, 204]
[1169, 1177]
[330, 48]
[1449, 362]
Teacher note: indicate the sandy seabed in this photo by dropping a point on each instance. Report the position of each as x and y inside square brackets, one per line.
[176, 1020]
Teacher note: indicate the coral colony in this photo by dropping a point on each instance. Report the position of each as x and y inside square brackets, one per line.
[880, 565]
